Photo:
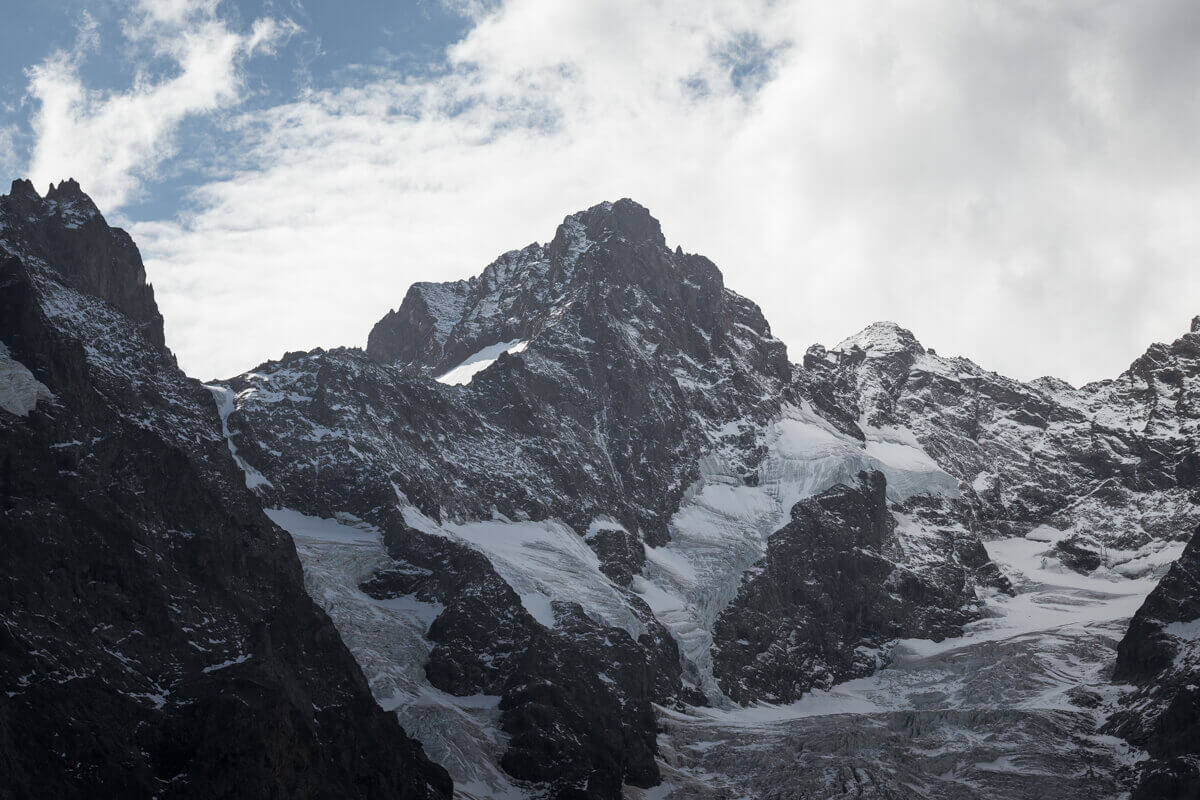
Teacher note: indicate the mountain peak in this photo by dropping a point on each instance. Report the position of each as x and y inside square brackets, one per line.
[67, 200]
[882, 338]
[612, 244]
[624, 219]
[1196, 324]
[68, 191]
[23, 187]
[71, 202]
[66, 231]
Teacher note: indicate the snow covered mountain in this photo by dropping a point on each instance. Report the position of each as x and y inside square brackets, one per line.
[629, 450]
[588, 532]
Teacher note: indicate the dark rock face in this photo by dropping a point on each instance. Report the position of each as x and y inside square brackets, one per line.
[1076, 554]
[621, 554]
[1161, 655]
[830, 594]
[157, 637]
[615, 244]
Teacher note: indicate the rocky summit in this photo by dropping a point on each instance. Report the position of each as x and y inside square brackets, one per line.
[578, 527]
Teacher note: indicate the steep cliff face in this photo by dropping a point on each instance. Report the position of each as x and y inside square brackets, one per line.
[157, 638]
[67, 231]
[1160, 655]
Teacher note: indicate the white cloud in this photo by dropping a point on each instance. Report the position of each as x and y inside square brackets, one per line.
[113, 141]
[1013, 181]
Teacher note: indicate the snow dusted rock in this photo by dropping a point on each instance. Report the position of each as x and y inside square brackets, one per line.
[572, 696]
[157, 640]
[1013, 707]
[638, 359]
[621, 553]
[584, 494]
[575, 696]
[572, 453]
[1160, 393]
[1110, 467]
[439, 325]
[1101, 479]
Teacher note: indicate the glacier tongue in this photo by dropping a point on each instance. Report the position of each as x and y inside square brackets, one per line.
[721, 528]
[1010, 709]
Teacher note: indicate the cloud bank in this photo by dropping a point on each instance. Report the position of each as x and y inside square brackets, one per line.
[1013, 181]
[113, 141]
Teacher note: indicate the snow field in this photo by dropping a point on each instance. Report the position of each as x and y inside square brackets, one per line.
[477, 362]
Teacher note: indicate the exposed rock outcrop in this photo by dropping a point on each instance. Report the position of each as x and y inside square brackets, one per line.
[1160, 654]
[836, 586]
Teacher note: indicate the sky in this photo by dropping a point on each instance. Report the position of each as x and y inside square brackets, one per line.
[1014, 181]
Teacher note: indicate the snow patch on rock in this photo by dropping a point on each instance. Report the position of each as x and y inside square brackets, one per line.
[479, 361]
[20, 392]
[544, 562]
[225, 400]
